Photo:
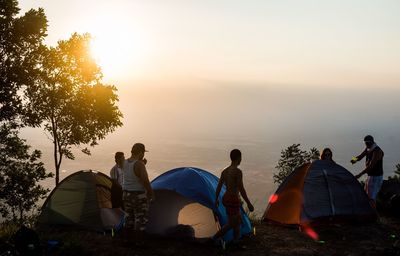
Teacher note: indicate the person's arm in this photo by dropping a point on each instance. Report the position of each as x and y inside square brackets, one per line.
[141, 172]
[219, 187]
[376, 156]
[112, 173]
[359, 157]
[243, 192]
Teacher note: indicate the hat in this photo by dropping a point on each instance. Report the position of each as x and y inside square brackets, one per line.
[138, 148]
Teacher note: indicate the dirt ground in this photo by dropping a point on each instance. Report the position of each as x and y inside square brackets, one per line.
[380, 238]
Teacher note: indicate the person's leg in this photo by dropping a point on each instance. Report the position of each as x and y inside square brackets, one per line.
[220, 233]
[366, 186]
[130, 218]
[217, 238]
[236, 227]
[375, 186]
[142, 212]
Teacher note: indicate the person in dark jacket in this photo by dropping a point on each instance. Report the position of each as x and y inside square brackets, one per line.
[373, 167]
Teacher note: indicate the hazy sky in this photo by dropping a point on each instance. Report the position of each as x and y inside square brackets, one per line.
[237, 73]
[198, 78]
[299, 43]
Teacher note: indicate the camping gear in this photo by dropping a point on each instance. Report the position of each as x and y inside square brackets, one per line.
[319, 191]
[27, 242]
[83, 199]
[186, 196]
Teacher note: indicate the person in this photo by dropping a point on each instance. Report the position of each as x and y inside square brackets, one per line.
[116, 172]
[326, 154]
[373, 167]
[232, 177]
[137, 191]
[116, 175]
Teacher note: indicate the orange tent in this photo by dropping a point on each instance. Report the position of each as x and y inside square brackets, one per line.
[319, 191]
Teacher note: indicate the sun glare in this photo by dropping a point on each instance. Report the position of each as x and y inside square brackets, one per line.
[118, 48]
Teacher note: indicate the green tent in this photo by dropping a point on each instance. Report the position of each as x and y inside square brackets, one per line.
[84, 199]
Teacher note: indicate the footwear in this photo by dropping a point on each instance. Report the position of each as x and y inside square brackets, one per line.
[219, 242]
[238, 245]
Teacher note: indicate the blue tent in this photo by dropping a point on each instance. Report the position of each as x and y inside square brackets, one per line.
[185, 197]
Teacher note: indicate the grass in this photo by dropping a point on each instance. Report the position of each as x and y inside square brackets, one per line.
[7, 230]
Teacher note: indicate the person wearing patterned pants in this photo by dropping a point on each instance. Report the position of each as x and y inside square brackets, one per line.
[137, 207]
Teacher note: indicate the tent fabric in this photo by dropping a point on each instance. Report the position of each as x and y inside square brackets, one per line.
[318, 191]
[82, 199]
[178, 211]
[196, 188]
[288, 207]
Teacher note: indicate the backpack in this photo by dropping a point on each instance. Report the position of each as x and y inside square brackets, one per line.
[27, 242]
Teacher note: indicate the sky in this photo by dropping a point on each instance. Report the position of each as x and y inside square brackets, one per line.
[333, 43]
[197, 78]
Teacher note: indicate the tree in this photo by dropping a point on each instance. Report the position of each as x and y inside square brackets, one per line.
[21, 45]
[73, 105]
[20, 174]
[396, 175]
[291, 158]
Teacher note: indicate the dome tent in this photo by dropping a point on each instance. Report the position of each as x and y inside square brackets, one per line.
[319, 191]
[186, 197]
[83, 199]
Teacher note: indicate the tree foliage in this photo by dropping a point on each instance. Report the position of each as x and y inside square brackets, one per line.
[396, 175]
[70, 100]
[21, 45]
[20, 174]
[293, 157]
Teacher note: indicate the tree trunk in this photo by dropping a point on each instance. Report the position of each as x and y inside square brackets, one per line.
[55, 143]
[21, 213]
[55, 163]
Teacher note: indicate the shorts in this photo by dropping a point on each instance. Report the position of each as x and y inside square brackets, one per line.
[137, 207]
[232, 204]
[372, 186]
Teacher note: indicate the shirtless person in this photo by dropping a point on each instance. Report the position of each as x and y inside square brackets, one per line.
[232, 177]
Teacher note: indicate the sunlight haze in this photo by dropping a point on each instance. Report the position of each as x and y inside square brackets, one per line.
[309, 43]
[198, 78]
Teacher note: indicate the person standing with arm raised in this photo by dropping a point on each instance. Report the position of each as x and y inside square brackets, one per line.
[373, 167]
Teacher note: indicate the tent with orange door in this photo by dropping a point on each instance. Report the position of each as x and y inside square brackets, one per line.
[319, 191]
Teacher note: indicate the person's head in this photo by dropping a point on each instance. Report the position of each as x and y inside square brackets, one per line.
[369, 141]
[236, 156]
[119, 158]
[326, 154]
[138, 150]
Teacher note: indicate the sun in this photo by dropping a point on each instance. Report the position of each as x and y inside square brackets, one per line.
[117, 49]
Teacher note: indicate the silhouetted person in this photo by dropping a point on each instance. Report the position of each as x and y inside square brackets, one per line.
[137, 190]
[232, 177]
[116, 172]
[373, 167]
[116, 175]
[326, 154]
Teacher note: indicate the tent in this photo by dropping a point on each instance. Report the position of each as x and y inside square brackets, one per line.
[319, 191]
[185, 205]
[83, 199]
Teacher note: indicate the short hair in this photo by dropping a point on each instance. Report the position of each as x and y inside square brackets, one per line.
[235, 154]
[369, 138]
[118, 155]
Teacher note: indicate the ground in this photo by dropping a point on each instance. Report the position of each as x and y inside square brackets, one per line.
[380, 238]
